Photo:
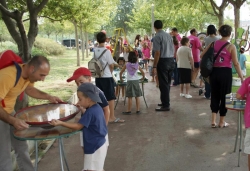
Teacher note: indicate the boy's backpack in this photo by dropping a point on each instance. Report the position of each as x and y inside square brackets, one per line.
[208, 59]
[8, 58]
[95, 66]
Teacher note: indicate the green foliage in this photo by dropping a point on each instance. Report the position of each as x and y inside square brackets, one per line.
[174, 13]
[48, 46]
[55, 83]
[91, 14]
[8, 45]
[123, 11]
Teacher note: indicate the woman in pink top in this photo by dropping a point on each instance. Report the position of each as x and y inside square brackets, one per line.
[146, 41]
[146, 47]
[244, 93]
[221, 76]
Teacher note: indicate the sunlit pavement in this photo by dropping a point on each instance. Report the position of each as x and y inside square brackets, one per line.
[177, 140]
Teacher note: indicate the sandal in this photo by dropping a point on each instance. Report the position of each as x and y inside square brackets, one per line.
[194, 85]
[117, 120]
[213, 125]
[224, 125]
[126, 113]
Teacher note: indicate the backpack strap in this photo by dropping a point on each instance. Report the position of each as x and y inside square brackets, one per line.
[18, 75]
[220, 50]
[101, 56]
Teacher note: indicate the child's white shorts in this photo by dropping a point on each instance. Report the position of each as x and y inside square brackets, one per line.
[247, 142]
[96, 160]
[244, 72]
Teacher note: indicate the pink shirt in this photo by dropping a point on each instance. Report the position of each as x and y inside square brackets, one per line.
[148, 42]
[178, 37]
[176, 47]
[146, 53]
[224, 59]
[244, 91]
[195, 45]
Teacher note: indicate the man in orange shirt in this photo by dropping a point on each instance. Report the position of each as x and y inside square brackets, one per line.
[35, 70]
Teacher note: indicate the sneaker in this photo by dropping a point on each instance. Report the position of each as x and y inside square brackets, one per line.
[182, 95]
[200, 92]
[194, 85]
[188, 96]
[206, 98]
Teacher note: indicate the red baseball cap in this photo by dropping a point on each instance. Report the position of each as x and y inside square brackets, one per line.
[79, 72]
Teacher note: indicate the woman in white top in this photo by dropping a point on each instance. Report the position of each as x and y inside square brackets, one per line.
[185, 65]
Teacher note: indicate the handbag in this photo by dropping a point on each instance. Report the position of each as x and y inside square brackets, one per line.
[208, 59]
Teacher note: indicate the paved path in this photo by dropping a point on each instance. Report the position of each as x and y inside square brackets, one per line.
[178, 140]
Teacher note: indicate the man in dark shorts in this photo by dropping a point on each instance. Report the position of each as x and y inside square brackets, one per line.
[164, 64]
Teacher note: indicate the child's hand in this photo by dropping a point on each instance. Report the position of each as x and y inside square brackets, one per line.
[55, 122]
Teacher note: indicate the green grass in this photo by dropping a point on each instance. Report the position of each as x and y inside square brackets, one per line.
[235, 88]
[62, 67]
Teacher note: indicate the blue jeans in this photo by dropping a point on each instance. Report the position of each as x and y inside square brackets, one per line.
[208, 90]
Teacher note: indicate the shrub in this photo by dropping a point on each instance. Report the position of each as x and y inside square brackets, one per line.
[8, 45]
[48, 46]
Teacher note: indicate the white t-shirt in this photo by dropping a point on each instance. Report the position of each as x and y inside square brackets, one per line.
[106, 59]
[184, 54]
[125, 56]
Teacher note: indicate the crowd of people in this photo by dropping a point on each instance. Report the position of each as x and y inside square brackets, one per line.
[167, 57]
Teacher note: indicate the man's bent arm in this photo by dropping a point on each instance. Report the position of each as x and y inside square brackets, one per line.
[38, 94]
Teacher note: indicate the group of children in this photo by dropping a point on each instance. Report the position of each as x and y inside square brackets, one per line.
[94, 105]
[94, 120]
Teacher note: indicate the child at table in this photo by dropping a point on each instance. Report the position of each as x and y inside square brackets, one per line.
[242, 61]
[146, 54]
[93, 125]
[133, 87]
[244, 93]
[125, 53]
[121, 63]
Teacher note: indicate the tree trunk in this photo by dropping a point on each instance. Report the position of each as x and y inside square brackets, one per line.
[87, 44]
[236, 19]
[221, 18]
[77, 44]
[20, 104]
[83, 42]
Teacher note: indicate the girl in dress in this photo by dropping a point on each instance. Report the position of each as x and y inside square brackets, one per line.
[146, 55]
[133, 87]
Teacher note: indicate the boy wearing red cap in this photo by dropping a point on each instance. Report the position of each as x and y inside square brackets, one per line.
[92, 124]
[83, 75]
